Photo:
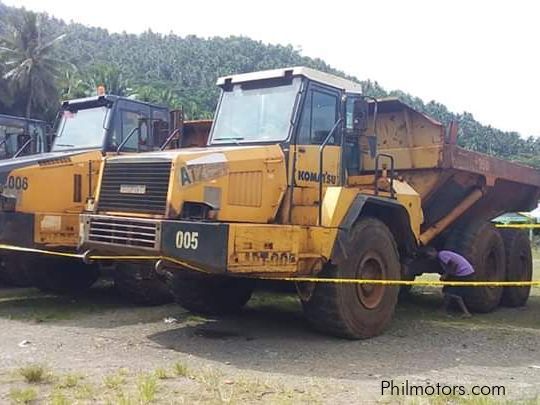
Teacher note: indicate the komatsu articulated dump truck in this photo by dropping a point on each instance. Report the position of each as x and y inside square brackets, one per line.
[304, 176]
[43, 194]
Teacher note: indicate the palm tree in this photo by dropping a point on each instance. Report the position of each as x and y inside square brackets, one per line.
[31, 68]
[111, 78]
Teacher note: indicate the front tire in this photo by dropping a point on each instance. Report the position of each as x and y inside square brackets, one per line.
[13, 269]
[140, 284]
[357, 311]
[61, 275]
[210, 294]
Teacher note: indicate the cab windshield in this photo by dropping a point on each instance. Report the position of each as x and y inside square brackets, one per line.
[83, 128]
[255, 114]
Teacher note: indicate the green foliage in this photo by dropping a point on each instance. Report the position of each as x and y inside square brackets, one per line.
[34, 373]
[147, 387]
[22, 395]
[180, 369]
[181, 72]
[30, 67]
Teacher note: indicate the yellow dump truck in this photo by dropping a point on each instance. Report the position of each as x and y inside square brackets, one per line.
[304, 176]
[43, 194]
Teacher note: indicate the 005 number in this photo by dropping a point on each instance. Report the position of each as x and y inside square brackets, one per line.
[187, 240]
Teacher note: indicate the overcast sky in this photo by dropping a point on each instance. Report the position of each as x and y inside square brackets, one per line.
[477, 56]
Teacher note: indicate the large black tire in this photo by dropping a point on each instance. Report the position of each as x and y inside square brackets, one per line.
[210, 294]
[13, 269]
[139, 283]
[357, 311]
[518, 266]
[61, 275]
[482, 245]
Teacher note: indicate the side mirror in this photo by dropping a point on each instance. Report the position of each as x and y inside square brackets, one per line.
[360, 115]
[142, 130]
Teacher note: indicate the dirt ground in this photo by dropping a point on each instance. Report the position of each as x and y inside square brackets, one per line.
[100, 349]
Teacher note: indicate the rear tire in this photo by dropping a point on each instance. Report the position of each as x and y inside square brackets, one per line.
[357, 311]
[140, 284]
[13, 270]
[61, 275]
[482, 245]
[210, 294]
[518, 266]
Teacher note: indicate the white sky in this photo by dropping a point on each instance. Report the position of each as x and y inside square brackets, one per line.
[473, 55]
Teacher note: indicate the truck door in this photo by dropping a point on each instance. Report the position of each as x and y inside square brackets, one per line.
[320, 113]
[130, 118]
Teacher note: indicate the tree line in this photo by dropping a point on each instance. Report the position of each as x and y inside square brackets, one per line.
[44, 60]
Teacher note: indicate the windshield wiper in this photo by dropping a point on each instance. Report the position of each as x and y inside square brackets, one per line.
[64, 144]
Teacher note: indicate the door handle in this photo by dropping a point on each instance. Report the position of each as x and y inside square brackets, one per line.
[301, 150]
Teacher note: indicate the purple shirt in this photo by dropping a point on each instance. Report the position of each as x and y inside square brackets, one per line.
[463, 267]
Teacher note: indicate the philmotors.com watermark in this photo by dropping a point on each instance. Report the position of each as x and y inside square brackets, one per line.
[405, 388]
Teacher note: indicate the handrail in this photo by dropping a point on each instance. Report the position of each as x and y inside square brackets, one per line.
[169, 138]
[22, 148]
[392, 194]
[126, 139]
[321, 158]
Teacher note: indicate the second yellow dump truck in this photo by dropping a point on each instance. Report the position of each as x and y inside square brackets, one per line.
[43, 194]
[304, 176]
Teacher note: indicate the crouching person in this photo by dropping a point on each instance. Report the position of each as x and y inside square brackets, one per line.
[454, 268]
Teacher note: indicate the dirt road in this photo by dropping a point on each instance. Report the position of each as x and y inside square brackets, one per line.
[98, 348]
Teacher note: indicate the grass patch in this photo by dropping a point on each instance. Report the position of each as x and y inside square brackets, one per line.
[147, 388]
[161, 374]
[58, 398]
[279, 301]
[124, 399]
[180, 369]
[33, 305]
[23, 396]
[70, 381]
[84, 392]
[34, 373]
[115, 381]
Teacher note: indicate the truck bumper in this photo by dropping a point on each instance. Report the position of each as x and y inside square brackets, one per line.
[212, 247]
[39, 230]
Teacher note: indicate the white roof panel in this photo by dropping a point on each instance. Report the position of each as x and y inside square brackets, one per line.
[315, 75]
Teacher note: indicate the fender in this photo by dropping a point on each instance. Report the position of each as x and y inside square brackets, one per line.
[390, 212]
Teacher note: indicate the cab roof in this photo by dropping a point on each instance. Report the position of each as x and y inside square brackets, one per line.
[312, 74]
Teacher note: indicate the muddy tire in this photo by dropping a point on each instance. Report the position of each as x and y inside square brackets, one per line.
[61, 275]
[209, 294]
[140, 284]
[482, 245]
[13, 270]
[357, 311]
[518, 266]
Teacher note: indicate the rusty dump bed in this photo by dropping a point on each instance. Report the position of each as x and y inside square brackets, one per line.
[445, 175]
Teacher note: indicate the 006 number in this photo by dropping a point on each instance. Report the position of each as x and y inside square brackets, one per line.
[187, 240]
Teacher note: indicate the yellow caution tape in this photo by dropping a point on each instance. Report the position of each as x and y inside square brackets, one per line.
[518, 226]
[295, 279]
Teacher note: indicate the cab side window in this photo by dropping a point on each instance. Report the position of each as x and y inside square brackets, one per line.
[129, 122]
[319, 115]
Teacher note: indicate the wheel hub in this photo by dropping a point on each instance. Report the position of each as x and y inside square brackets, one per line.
[370, 268]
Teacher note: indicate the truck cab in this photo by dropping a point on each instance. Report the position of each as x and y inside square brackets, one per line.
[22, 136]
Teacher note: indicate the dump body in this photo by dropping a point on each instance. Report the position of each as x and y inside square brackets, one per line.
[445, 175]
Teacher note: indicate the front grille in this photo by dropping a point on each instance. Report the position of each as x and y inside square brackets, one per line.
[130, 233]
[135, 187]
